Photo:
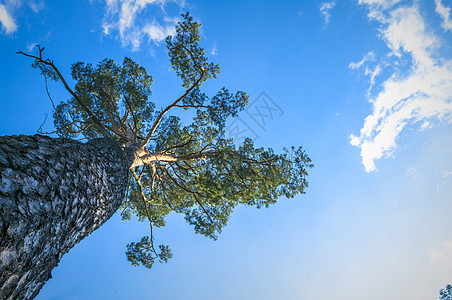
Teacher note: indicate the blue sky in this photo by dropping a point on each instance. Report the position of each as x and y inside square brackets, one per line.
[365, 86]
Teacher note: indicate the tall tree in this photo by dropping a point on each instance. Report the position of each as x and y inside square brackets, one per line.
[139, 159]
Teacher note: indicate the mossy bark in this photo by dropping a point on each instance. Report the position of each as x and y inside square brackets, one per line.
[53, 193]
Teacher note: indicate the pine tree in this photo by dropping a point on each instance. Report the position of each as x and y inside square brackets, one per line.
[137, 158]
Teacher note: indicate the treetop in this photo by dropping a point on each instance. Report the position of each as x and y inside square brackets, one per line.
[192, 168]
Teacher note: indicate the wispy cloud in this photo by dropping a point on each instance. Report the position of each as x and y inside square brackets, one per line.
[214, 50]
[422, 92]
[372, 72]
[325, 11]
[444, 12]
[136, 20]
[8, 24]
[10, 7]
[31, 46]
[36, 6]
[370, 56]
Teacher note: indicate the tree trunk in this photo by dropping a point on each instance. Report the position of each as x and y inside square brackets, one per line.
[53, 193]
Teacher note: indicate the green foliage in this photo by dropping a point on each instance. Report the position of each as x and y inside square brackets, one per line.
[209, 175]
[46, 70]
[144, 253]
[117, 95]
[187, 57]
[446, 294]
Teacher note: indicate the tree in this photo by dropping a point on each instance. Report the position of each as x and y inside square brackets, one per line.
[144, 161]
[446, 294]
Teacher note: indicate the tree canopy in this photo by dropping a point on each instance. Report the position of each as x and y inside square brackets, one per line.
[193, 168]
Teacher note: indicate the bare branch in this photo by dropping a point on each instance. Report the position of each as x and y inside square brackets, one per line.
[163, 112]
[151, 157]
[80, 129]
[40, 127]
[145, 201]
[102, 127]
[48, 94]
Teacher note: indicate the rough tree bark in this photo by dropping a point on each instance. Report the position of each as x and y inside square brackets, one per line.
[53, 193]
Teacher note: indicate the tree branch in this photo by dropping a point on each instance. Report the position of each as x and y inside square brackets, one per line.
[144, 200]
[129, 105]
[102, 128]
[194, 193]
[160, 116]
[179, 145]
[151, 157]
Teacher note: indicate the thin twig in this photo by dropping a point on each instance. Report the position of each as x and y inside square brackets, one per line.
[144, 200]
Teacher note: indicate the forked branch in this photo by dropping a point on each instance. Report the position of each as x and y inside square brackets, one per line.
[175, 103]
[102, 127]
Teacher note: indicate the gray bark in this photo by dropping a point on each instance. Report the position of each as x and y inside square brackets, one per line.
[53, 193]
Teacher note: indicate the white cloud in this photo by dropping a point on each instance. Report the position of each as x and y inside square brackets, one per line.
[31, 46]
[370, 56]
[444, 12]
[36, 6]
[157, 32]
[426, 125]
[8, 24]
[214, 50]
[132, 20]
[380, 3]
[325, 10]
[373, 74]
[422, 93]
[8, 9]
